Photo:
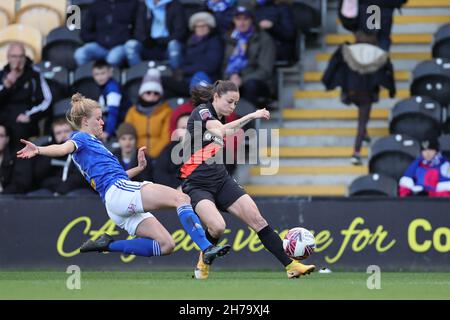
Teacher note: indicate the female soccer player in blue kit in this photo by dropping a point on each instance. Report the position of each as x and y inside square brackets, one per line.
[127, 202]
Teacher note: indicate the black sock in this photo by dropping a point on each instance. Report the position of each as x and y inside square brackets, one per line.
[273, 243]
[210, 238]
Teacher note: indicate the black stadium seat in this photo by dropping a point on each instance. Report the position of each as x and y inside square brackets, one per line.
[60, 46]
[307, 14]
[373, 185]
[135, 74]
[192, 6]
[85, 84]
[444, 144]
[176, 102]
[441, 42]
[60, 108]
[432, 78]
[392, 155]
[57, 78]
[416, 117]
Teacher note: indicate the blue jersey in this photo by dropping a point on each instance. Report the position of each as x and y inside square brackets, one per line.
[96, 163]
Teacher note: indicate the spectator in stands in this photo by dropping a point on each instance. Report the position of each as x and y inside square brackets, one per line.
[58, 176]
[113, 102]
[276, 18]
[127, 154]
[387, 8]
[160, 31]
[167, 168]
[203, 53]
[151, 115]
[223, 11]
[25, 96]
[15, 174]
[429, 174]
[249, 57]
[109, 24]
[360, 70]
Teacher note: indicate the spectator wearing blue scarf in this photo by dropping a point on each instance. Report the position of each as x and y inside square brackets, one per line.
[249, 58]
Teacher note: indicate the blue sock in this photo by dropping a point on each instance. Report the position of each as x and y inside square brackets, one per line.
[191, 223]
[139, 246]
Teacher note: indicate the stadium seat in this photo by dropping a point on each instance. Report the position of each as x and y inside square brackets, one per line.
[60, 46]
[373, 185]
[60, 108]
[29, 36]
[134, 75]
[416, 117]
[85, 84]
[441, 42]
[176, 102]
[44, 15]
[392, 155]
[43, 140]
[307, 15]
[444, 144]
[7, 12]
[192, 6]
[432, 78]
[57, 78]
[446, 119]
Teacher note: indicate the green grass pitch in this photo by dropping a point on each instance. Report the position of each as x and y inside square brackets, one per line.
[253, 285]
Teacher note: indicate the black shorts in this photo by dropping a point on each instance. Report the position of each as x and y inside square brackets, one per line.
[223, 194]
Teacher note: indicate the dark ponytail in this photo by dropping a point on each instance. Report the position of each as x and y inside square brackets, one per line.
[203, 94]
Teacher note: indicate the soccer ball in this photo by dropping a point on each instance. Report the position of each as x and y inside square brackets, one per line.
[299, 243]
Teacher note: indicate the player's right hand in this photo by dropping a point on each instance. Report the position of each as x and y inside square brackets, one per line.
[29, 151]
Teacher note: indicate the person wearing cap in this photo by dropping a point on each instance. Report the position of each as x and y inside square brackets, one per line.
[249, 57]
[276, 18]
[203, 54]
[429, 174]
[151, 115]
[127, 153]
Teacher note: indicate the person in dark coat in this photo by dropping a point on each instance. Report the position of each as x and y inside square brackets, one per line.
[25, 96]
[160, 32]
[127, 153]
[108, 25]
[249, 58]
[202, 57]
[58, 176]
[387, 8]
[360, 70]
[276, 18]
[223, 11]
[15, 174]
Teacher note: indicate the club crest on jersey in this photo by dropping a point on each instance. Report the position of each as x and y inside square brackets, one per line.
[205, 114]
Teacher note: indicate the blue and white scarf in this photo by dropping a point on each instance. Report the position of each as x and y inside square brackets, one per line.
[220, 5]
[238, 59]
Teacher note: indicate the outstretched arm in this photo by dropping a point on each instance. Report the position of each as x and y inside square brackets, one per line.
[55, 150]
[142, 163]
[230, 128]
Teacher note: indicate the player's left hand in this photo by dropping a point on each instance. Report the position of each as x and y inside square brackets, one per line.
[262, 113]
[142, 162]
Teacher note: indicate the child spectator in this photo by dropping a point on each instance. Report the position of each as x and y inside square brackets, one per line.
[15, 174]
[429, 174]
[151, 115]
[113, 102]
[58, 176]
[127, 154]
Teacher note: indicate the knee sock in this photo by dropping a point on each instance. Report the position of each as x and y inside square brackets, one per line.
[139, 246]
[273, 243]
[191, 223]
[210, 238]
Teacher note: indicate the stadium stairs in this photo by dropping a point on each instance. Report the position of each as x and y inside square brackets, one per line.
[317, 131]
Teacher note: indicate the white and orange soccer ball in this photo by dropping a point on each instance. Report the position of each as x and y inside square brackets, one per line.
[299, 243]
